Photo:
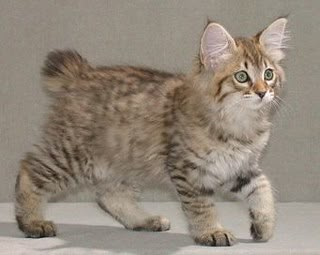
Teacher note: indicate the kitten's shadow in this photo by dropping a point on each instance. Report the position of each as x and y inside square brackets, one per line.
[244, 240]
[109, 239]
[112, 240]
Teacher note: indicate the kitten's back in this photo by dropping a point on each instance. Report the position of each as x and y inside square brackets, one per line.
[67, 71]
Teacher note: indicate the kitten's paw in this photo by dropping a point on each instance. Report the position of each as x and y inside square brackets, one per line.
[219, 237]
[153, 223]
[261, 231]
[39, 228]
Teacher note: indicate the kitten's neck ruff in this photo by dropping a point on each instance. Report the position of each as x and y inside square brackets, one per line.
[236, 122]
[244, 124]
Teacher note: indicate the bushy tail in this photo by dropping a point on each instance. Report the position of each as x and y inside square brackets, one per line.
[62, 70]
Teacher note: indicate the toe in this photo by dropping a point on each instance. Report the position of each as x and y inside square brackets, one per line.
[38, 229]
[154, 223]
[261, 232]
[217, 238]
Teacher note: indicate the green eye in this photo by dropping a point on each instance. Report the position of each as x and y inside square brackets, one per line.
[241, 76]
[268, 75]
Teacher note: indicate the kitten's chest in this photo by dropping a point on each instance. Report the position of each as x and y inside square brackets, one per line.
[226, 161]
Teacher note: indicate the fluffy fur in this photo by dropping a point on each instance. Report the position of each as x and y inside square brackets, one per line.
[115, 129]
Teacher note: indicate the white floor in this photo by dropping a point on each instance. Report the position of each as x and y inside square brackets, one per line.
[85, 229]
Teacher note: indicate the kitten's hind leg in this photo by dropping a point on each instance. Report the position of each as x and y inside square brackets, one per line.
[121, 203]
[29, 200]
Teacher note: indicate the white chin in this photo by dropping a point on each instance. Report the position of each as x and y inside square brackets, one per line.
[268, 97]
[258, 103]
[265, 100]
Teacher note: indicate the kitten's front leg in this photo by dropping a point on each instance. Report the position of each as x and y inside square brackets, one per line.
[201, 214]
[255, 189]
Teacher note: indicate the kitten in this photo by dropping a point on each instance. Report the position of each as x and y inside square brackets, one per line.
[115, 129]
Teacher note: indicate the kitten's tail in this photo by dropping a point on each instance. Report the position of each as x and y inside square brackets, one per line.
[63, 70]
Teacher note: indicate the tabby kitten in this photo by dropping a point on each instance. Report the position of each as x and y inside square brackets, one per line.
[115, 129]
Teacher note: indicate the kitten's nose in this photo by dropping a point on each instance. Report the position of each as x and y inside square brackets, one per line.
[261, 93]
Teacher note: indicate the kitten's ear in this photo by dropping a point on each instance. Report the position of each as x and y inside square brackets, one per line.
[274, 39]
[216, 45]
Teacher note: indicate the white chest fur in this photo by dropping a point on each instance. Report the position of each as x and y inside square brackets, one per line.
[227, 160]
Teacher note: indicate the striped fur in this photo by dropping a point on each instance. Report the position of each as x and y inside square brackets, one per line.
[116, 129]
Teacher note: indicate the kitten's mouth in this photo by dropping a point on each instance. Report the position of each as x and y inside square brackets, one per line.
[259, 103]
[266, 99]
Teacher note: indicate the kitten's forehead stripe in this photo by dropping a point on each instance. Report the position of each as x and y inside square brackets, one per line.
[251, 51]
[265, 63]
[220, 84]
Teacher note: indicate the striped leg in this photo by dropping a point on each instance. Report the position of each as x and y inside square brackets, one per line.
[29, 200]
[40, 177]
[201, 214]
[255, 189]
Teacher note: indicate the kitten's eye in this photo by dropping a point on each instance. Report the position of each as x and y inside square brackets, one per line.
[241, 76]
[268, 74]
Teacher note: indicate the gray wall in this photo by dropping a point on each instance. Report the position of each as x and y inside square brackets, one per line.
[161, 34]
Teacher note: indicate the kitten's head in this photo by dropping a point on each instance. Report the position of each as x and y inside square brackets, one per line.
[244, 72]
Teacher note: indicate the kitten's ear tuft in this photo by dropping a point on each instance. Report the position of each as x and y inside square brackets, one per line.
[216, 45]
[274, 39]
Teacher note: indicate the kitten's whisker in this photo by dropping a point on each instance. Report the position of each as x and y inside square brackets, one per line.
[284, 102]
[285, 108]
[276, 106]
